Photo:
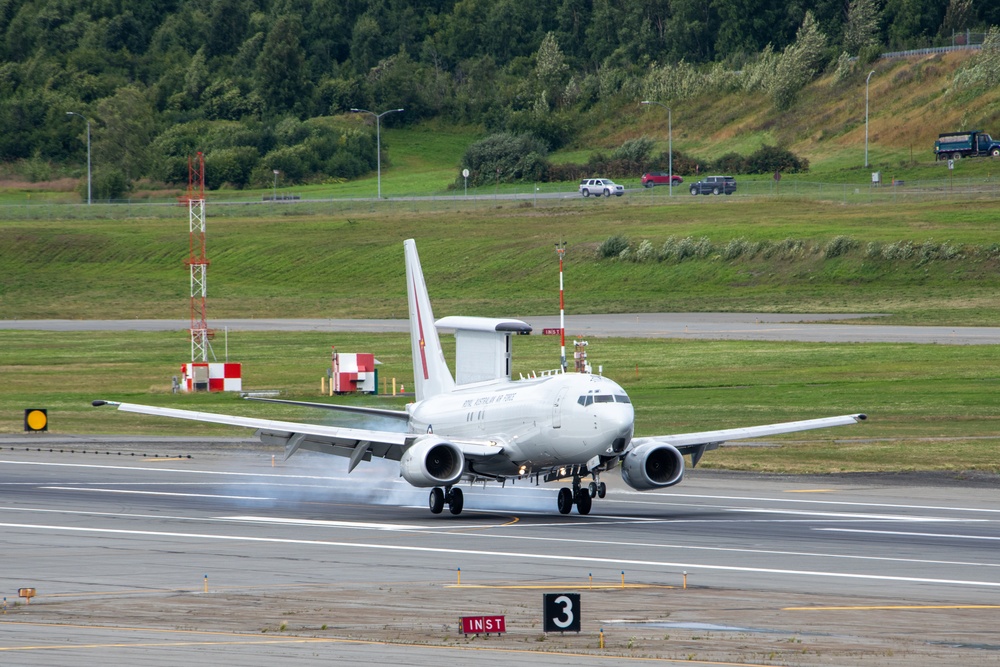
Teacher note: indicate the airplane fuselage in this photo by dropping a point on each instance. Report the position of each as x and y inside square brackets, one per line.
[560, 419]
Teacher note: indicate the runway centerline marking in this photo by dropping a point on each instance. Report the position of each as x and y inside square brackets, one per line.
[156, 493]
[848, 515]
[848, 503]
[615, 562]
[320, 523]
[950, 536]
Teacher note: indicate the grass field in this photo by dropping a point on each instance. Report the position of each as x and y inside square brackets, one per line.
[350, 265]
[931, 407]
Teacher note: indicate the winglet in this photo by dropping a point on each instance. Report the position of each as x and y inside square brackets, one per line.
[430, 370]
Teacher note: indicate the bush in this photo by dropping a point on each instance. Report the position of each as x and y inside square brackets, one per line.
[506, 157]
[840, 245]
[230, 165]
[768, 159]
[634, 150]
[109, 183]
[613, 246]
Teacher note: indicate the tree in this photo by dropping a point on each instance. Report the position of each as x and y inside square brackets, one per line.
[798, 64]
[280, 77]
[127, 129]
[550, 69]
[862, 26]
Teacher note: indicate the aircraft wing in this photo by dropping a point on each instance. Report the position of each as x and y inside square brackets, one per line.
[378, 412]
[698, 443]
[354, 443]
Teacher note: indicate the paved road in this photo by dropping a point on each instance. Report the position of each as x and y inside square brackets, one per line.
[119, 548]
[728, 326]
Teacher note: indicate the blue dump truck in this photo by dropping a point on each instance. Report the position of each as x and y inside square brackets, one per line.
[971, 143]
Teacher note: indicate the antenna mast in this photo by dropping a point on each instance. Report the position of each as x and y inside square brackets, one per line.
[561, 250]
[197, 261]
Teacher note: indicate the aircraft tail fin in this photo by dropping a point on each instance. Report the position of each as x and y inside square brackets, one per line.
[430, 370]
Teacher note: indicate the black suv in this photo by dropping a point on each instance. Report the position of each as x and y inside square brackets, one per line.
[715, 185]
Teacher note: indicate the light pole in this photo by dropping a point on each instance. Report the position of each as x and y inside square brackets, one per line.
[670, 143]
[274, 197]
[73, 113]
[866, 116]
[378, 140]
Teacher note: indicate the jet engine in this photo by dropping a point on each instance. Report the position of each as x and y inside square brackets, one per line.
[653, 466]
[431, 461]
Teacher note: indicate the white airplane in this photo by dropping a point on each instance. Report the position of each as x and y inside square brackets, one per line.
[484, 426]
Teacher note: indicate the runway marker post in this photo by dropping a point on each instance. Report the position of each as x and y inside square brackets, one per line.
[601, 636]
[206, 583]
[623, 578]
[459, 576]
[685, 580]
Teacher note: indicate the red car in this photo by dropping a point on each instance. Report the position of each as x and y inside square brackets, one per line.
[651, 178]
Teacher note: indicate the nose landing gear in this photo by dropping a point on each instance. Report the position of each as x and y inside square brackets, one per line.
[579, 495]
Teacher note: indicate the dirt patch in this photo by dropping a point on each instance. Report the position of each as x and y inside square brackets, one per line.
[731, 626]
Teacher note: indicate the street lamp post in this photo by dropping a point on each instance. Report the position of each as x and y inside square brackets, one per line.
[866, 116]
[670, 144]
[73, 113]
[378, 140]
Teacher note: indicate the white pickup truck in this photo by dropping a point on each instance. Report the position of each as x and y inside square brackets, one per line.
[600, 186]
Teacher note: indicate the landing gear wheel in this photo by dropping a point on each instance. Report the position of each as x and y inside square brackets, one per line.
[602, 490]
[564, 501]
[436, 500]
[456, 500]
[583, 501]
[592, 488]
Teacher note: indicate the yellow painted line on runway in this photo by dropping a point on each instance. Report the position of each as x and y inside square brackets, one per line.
[892, 607]
[573, 586]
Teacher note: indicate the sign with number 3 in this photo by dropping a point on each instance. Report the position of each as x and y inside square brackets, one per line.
[561, 612]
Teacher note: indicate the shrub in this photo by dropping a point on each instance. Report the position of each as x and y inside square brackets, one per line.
[506, 157]
[634, 150]
[613, 246]
[109, 183]
[230, 165]
[840, 245]
[645, 252]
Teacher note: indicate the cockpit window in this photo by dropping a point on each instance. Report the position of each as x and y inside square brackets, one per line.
[585, 400]
[604, 398]
[622, 398]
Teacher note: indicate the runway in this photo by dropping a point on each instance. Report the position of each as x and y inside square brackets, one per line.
[193, 559]
[828, 327]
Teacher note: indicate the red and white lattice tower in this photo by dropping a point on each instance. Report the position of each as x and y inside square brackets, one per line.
[197, 261]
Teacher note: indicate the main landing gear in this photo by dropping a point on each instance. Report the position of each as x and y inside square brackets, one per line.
[579, 495]
[453, 496]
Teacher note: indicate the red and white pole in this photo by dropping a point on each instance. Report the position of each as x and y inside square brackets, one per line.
[561, 250]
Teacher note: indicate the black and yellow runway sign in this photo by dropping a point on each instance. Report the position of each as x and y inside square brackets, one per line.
[36, 419]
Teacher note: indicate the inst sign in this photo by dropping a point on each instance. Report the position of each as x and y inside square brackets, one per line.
[551, 332]
[477, 625]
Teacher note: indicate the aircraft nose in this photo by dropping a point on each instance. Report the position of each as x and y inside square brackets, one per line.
[620, 421]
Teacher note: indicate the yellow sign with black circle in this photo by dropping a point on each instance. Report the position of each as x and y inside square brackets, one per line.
[36, 420]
